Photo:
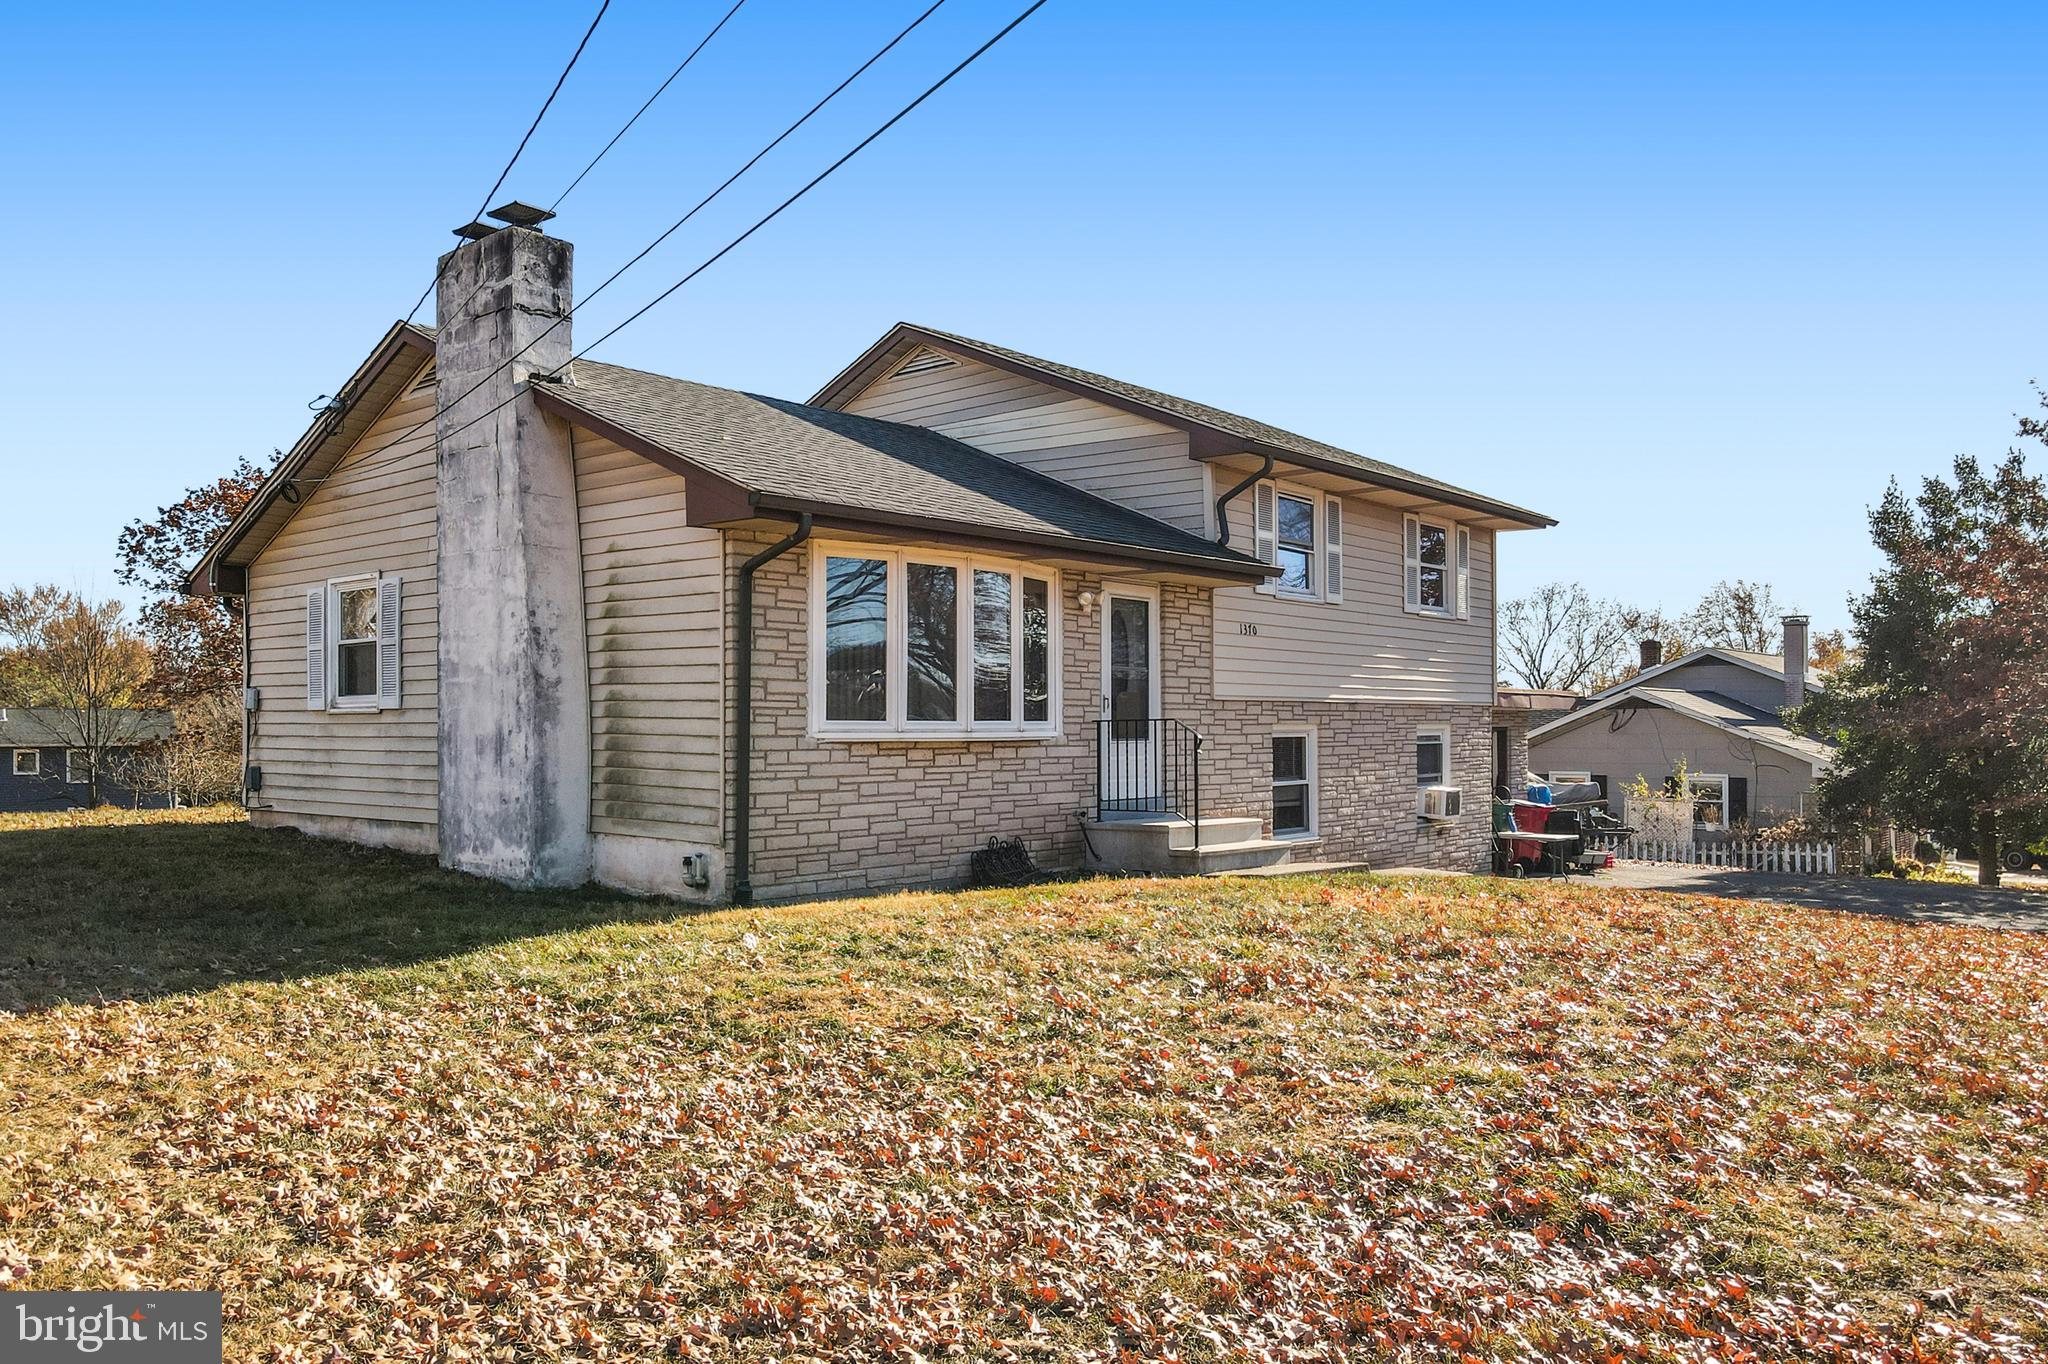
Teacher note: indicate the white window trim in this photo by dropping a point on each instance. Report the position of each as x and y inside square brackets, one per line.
[35, 762]
[1441, 733]
[897, 727]
[74, 760]
[1457, 567]
[1567, 778]
[332, 644]
[1692, 799]
[1311, 780]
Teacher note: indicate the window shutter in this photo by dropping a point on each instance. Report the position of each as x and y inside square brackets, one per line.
[1265, 530]
[1333, 548]
[1738, 800]
[1464, 573]
[1411, 562]
[387, 643]
[316, 649]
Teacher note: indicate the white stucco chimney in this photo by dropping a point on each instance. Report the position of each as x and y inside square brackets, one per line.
[515, 694]
[1796, 649]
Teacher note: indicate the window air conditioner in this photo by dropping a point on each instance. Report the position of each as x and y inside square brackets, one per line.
[1441, 802]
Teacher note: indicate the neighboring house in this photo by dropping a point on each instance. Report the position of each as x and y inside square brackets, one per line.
[44, 771]
[1719, 711]
[686, 639]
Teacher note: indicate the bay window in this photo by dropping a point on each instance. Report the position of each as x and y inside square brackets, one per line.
[919, 644]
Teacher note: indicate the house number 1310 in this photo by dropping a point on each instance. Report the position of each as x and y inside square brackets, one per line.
[1245, 627]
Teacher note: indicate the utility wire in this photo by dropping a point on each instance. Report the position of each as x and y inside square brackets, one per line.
[463, 308]
[518, 151]
[723, 251]
[645, 107]
[772, 214]
[673, 227]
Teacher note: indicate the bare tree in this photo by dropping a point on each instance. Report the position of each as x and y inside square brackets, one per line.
[81, 667]
[1560, 635]
[1736, 615]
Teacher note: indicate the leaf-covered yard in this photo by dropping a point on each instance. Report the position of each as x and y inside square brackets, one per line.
[397, 1114]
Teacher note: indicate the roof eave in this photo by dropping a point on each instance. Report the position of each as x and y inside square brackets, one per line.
[1234, 569]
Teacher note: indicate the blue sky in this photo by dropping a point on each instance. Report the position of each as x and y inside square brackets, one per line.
[1696, 280]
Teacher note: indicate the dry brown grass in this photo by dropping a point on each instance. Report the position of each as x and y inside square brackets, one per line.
[393, 1113]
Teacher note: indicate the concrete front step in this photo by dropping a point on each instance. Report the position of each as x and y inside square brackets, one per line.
[1245, 855]
[1168, 845]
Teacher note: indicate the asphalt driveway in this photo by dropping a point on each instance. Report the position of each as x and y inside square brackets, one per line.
[1922, 901]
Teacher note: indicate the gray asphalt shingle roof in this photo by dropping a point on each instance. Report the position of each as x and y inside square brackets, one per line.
[1231, 423]
[1729, 713]
[812, 454]
[46, 726]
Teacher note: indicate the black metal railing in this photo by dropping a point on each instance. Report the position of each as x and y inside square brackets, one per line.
[1149, 767]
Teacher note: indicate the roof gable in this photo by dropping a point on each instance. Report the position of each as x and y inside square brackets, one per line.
[1712, 709]
[1764, 665]
[390, 369]
[1213, 432]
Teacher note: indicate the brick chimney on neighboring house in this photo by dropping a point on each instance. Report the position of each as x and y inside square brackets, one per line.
[1796, 648]
[514, 679]
[1653, 653]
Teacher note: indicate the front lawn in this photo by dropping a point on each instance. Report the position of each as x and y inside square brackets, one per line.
[395, 1113]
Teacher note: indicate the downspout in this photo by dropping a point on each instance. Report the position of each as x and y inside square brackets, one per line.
[1265, 470]
[743, 724]
[240, 607]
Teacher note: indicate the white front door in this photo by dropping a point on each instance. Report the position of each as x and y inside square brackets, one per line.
[1129, 749]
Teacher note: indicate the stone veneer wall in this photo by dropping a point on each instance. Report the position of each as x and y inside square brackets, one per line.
[836, 816]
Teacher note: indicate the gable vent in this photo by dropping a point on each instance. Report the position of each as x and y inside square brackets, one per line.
[423, 384]
[923, 360]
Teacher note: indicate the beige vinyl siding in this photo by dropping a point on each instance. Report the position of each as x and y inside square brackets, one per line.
[375, 514]
[1127, 459]
[654, 624]
[1365, 648]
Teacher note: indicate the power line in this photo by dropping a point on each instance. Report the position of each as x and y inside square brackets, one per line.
[673, 227]
[499, 183]
[727, 249]
[645, 107]
[815, 181]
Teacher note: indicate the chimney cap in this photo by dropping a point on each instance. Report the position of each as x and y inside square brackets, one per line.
[1795, 618]
[514, 213]
[475, 232]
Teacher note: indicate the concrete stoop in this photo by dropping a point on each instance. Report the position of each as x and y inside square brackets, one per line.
[1167, 846]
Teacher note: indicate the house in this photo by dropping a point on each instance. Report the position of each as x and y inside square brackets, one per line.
[46, 769]
[1720, 711]
[685, 639]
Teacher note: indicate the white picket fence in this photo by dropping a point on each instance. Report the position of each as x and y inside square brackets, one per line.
[1812, 859]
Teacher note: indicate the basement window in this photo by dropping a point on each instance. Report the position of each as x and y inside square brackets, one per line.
[914, 644]
[1293, 785]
